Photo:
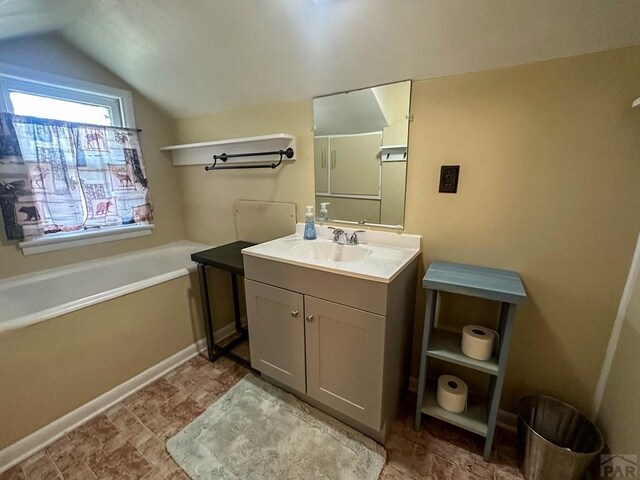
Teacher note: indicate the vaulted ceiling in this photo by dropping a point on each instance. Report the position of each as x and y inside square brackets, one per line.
[199, 56]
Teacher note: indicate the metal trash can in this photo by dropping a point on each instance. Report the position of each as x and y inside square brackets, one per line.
[555, 441]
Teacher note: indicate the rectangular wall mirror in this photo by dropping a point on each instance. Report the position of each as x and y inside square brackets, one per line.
[360, 153]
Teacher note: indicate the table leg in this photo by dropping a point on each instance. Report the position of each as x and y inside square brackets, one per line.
[236, 303]
[206, 310]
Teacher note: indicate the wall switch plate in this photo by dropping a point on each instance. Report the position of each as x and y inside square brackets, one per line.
[449, 178]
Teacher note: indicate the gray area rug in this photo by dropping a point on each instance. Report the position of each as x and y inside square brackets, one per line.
[257, 431]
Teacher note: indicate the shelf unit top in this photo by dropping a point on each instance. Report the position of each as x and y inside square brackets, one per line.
[483, 282]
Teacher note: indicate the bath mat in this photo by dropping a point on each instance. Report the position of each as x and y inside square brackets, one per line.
[258, 431]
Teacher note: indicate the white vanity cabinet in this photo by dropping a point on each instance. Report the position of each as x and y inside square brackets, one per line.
[340, 343]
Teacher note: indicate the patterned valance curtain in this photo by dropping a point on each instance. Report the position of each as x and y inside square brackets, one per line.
[63, 177]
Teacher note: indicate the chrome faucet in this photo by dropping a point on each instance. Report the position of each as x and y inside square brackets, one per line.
[339, 236]
[342, 238]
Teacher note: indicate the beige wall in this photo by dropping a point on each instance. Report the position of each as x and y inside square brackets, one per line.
[53, 367]
[50, 54]
[394, 183]
[619, 416]
[397, 106]
[549, 187]
[208, 197]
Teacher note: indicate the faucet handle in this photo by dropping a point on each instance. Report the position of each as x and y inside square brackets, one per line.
[354, 240]
[337, 233]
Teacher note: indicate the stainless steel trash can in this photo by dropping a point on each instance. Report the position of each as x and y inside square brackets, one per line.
[555, 441]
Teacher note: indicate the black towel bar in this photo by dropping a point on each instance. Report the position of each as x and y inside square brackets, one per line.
[224, 157]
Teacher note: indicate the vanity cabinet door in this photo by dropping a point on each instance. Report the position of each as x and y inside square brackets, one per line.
[355, 164]
[345, 349]
[276, 333]
[321, 156]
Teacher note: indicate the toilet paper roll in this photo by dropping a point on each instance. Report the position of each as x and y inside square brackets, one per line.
[477, 342]
[452, 393]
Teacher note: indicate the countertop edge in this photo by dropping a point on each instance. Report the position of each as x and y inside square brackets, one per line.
[362, 276]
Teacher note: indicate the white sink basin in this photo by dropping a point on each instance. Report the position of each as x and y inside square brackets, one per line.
[379, 257]
[328, 250]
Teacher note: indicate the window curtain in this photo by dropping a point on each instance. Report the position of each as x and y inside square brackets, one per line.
[64, 177]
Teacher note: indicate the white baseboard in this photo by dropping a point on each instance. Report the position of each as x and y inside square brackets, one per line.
[36, 441]
[27, 446]
[506, 420]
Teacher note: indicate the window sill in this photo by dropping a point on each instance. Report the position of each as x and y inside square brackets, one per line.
[71, 240]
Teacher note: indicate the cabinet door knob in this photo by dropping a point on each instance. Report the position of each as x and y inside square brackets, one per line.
[294, 313]
[309, 318]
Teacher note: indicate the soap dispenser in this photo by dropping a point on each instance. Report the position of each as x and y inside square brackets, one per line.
[324, 213]
[309, 225]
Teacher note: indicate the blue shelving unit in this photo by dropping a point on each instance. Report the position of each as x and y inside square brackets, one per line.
[502, 286]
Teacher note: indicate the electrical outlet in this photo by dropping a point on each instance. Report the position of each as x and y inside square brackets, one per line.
[449, 178]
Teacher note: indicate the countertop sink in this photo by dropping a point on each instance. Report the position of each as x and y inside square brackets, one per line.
[379, 257]
[327, 250]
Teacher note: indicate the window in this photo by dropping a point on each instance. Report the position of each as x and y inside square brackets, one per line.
[36, 94]
[81, 182]
[41, 106]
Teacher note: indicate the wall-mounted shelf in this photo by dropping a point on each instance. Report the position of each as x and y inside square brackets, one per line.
[393, 153]
[202, 153]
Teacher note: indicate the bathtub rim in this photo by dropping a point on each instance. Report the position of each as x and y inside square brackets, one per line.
[65, 308]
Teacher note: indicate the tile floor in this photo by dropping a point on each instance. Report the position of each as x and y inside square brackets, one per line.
[128, 440]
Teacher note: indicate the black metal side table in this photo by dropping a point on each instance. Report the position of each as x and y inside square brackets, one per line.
[226, 257]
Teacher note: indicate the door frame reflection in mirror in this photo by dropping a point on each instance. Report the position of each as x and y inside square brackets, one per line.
[332, 123]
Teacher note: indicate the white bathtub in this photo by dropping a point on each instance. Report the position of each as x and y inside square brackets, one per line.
[33, 298]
